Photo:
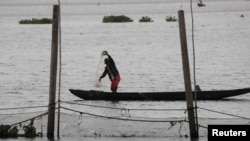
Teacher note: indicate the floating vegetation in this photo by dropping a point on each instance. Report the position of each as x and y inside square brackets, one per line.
[171, 19]
[116, 19]
[6, 131]
[145, 19]
[36, 21]
[29, 131]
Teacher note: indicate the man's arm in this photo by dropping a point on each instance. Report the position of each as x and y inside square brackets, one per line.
[103, 74]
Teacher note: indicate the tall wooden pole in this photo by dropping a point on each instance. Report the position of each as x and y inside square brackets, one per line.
[186, 72]
[53, 74]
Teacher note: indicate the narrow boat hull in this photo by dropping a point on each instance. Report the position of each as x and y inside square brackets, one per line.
[150, 96]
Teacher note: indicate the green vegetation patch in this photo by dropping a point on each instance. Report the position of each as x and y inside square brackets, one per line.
[171, 19]
[7, 131]
[145, 19]
[36, 21]
[116, 19]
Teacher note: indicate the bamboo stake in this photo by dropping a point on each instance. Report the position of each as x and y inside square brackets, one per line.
[53, 74]
[186, 72]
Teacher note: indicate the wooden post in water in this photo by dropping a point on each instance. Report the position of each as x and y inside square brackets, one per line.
[186, 71]
[53, 74]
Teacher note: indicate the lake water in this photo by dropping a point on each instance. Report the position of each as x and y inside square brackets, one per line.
[147, 55]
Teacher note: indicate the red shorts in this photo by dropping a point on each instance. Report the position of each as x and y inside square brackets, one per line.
[114, 84]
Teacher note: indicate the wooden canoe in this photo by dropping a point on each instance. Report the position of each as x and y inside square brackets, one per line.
[150, 96]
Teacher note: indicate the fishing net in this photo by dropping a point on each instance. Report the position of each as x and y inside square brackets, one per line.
[85, 119]
[81, 120]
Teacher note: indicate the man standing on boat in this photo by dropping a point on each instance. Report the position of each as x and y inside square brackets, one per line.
[112, 72]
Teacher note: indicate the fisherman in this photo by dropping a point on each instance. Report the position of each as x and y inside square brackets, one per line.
[112, 72]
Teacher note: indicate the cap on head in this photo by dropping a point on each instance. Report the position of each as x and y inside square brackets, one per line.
[106, 60]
